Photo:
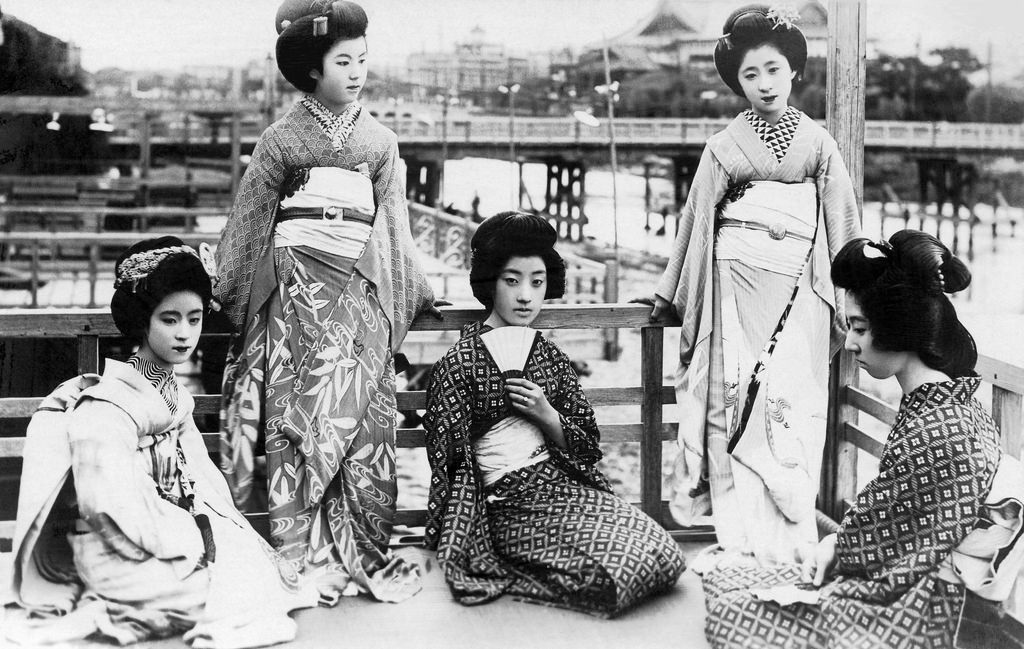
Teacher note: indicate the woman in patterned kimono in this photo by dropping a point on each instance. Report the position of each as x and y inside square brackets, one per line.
[885, 576]
[321, 281]
[125, 527]
[517, 505]
[770, 205]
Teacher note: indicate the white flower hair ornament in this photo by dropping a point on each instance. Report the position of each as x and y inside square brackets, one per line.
[784, 16]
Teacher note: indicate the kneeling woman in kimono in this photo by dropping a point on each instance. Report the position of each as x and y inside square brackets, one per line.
[884, 577]
[125, 526]
[516, 503]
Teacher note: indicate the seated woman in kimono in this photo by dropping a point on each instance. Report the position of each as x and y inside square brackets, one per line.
[884, 579]
[517, 505]
[125, 527]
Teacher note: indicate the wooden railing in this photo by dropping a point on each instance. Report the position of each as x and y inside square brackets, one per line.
[647, 391]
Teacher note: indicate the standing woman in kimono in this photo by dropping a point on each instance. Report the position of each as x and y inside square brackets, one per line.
[517, 505]
[321, 281]
[888, 572]
[770, 205]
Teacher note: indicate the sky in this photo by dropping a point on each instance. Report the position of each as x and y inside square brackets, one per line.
[168, 34]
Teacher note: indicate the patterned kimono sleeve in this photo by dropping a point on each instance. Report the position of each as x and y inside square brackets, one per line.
[247, 232]
[389, 197]
[838, 198]
[117, 498]
[579, 426]
[921, 506]
[446, 422]
[709, 185]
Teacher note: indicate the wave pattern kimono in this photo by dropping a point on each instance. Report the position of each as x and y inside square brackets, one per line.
[551, 532]
[95, 537]
[935, 472]
[312, 367]
[751, 515]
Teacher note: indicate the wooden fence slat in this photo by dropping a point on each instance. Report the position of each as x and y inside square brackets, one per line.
[88, 354]
[652, 340]
[860, 439]
[870, 404]
[1007, 412]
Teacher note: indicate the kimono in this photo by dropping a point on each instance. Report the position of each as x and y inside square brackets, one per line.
[125, 526]
[551, 532]
[891, 586]
[320, 311]
[787, 190]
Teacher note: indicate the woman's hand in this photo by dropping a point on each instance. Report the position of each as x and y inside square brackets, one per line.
[435, 312]
[659, 305]
[528, 399]
[820, 561]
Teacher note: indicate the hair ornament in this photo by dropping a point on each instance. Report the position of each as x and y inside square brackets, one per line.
[877, 249]
[320, 26]
[726, 41]
[285, 24]
[784, 16]
[137, 267]
[209, 263]
[942, 281]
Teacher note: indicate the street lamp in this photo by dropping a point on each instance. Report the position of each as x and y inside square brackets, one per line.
[446, 100]
[511, 90]
[610, 90]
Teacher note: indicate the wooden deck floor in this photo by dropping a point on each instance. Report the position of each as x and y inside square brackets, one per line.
[432, 620]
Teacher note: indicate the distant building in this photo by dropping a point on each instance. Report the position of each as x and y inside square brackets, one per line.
[35, 63]
[474, 69]
[679, 37]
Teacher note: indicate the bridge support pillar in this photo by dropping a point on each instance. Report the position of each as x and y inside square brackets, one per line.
[422, 181]
[564, 197]
[684, 167]
[946, 180]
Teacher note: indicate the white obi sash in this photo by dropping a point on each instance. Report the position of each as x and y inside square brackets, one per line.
[509, 445]
[328, 187]
[768, 225]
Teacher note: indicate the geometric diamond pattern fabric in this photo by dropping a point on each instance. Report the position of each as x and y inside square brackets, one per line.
[935, 471]
[778, 137]
[551, 533]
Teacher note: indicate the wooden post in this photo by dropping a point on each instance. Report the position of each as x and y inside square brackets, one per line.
[652, 343]
[1008, 415]
[145, 153]
[236, 132]
[88, 354]
[845, 110]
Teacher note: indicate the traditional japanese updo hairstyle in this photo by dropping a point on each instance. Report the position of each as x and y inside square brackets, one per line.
[149, 271]
[513, 234]
[306, 29]
[753, 26]
[900, 286]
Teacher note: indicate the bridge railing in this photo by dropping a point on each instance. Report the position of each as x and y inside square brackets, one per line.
[645, 394]
[494, 129]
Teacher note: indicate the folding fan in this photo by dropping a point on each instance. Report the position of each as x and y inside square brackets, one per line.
[510, 347]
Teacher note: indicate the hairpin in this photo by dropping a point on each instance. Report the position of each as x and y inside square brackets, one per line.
[726, 41]
[285, 24]
[784, 16]
[942, 281]
[877, 249]
[320, 26]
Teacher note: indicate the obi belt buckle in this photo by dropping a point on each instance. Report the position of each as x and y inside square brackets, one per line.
[331, 213]
[777, 231]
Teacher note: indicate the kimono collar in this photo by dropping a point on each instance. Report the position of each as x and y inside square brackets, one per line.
[161, 379]
[474, 328]
[929, 396]
[337, 127]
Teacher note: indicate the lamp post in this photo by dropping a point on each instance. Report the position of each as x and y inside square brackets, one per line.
[447, 99]
[610, 90]
[511, 89]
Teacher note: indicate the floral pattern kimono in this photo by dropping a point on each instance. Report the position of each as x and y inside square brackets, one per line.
[768, 209]
[935, 473]
[549, 533]
[310, 377]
